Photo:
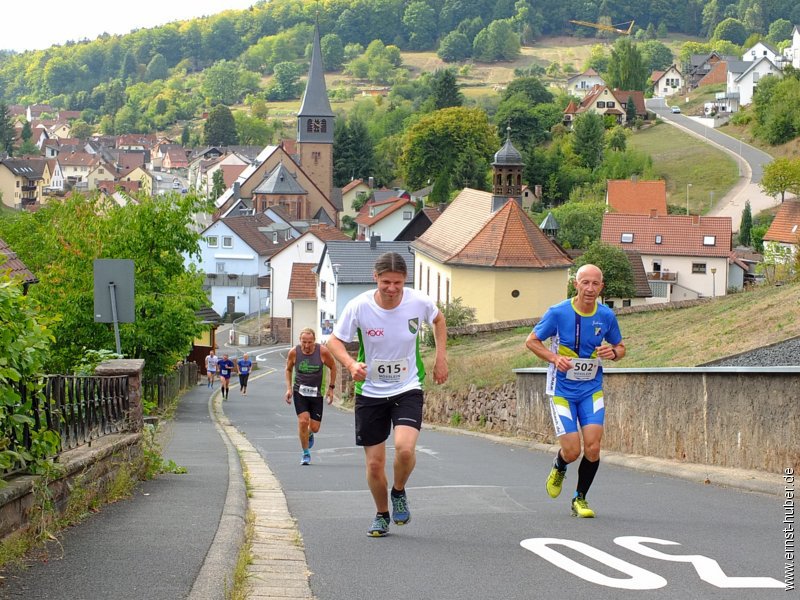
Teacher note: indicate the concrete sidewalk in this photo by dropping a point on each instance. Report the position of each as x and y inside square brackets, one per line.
[178, 536]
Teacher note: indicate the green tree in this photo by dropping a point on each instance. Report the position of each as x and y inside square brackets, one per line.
[217, 184]
[454, 47]
[630, 111]
[656, 56]
[616, 139]
[186, 133]
[746, 226]
[157, 68]
[779, 31]
[455, 315]
[221, 83]
[26, 343]
[59, 243]
[80, 129]
[588, 139]
[731, 30]
[617, 271]
[532, 87]
[449, 137]
[220, 128]
[626, 69]
[353, 152]
[285, 84]
[252, 131]
[7, 133]
[780, 176]
[419, 20]
[446, 92]
[440, 194]
[497, 42]
[332, 52]
[129, 67]
[26, 134]
[580, 223]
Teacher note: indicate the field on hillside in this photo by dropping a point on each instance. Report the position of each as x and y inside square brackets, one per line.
[671, 338]
[682, 159]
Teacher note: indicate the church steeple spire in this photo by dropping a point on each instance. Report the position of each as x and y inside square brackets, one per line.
[315, 99]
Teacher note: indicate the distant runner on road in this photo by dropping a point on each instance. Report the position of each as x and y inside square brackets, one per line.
[388, 375]
[304, 384]
[578, 329]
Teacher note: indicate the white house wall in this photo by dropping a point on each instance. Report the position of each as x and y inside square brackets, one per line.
[304, 314]
[390, 227]
[703, 284]
[281, 265]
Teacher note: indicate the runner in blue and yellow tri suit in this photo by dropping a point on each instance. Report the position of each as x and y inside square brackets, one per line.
[578, 329]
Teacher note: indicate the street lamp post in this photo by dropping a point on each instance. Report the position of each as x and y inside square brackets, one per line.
[713, 282]
[688, 185]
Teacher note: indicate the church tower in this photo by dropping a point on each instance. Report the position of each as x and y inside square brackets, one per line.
[315, 125]
[506, 175]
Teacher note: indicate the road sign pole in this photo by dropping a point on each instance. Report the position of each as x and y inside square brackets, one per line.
[112, 291]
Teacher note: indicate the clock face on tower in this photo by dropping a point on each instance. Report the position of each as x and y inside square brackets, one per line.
[317, 126]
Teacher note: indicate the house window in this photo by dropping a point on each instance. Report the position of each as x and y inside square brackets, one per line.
[407, 214]
[626, 303]
[709, 240]
[658, 239]
[610, 303]
[610, 104]
[213, 241]
[601, 104]
[322, 290]
[309, 246]
[227, 241]
[220, 267]
[698, 268]
[626, 238]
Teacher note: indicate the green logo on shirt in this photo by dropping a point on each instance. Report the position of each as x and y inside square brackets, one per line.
[413, 325]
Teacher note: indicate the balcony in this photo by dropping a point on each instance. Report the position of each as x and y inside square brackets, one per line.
[662, 276]
[29, 187]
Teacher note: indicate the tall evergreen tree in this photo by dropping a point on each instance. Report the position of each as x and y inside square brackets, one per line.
[6, 130]
[446, 92]
[746, 226]
[353, 152]
[217, 184]
[630, 110]
[588, 139]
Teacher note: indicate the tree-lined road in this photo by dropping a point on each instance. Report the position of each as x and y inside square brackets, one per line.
[751, 165]
[483, 526]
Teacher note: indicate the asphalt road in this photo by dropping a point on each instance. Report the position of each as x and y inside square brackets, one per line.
[483, 526]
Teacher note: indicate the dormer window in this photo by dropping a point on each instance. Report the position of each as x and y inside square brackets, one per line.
[658, 239]
[626, 238]
[709, 240]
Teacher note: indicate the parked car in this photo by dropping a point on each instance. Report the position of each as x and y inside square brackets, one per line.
[676, 109]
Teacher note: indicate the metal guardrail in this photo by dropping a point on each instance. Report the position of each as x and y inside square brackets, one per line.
[79, 409]
[163, 389]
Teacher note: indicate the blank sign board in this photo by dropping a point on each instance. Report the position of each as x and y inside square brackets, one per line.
[120, 274]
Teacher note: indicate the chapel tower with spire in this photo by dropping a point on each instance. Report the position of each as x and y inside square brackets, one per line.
[315, 125]
[507, 174]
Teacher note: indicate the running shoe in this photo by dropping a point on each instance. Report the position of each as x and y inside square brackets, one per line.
[310, 441]
[306, 460]
[401, 513]
[380, 527]
[554, 481]
[580, 508]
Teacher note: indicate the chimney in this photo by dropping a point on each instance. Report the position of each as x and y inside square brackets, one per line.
[695, 219]
[236, 190]
[373, 241]
[442, 206]
[635, 178]
[537, 191]
[371, 182]
[653, 213]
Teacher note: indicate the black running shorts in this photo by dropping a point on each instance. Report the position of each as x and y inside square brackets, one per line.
[375, 416]
[310, 404]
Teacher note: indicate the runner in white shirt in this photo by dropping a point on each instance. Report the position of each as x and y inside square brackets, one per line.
[389, 374]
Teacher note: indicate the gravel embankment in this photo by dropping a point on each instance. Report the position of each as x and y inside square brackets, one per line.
[782, 354]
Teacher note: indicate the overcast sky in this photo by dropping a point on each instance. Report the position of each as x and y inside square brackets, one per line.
[43, 23]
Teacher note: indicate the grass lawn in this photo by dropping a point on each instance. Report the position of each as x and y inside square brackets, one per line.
[671, 338]
[682, 159]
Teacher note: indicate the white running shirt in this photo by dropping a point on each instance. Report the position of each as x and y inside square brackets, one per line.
[388, 340]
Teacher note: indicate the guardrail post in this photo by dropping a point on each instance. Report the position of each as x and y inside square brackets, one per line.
[132, 368]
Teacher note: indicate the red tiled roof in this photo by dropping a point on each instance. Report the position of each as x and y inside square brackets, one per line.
[13, 265]
[363, 218]
[469, 233]
[246, 227]
[303, 283]
[637, 197]
[352, 184]
[326, 232]
[785, 226]
[681, 235]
